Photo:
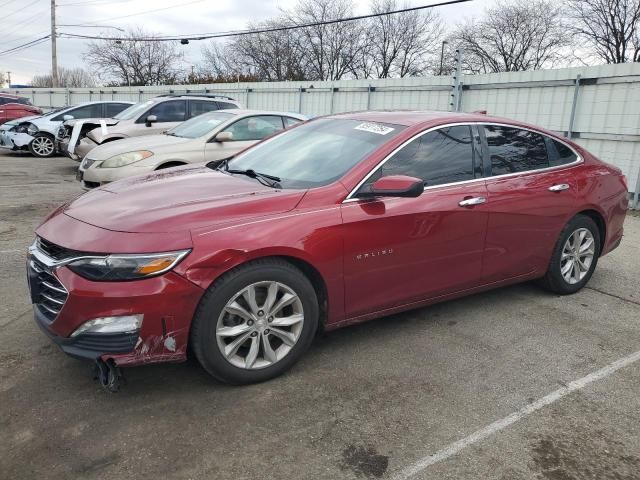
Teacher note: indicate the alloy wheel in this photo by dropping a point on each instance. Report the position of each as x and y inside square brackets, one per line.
[577, 256]
[42, 146]
[260, 325]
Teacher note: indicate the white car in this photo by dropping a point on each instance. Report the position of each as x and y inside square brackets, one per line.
[209, 137]
[38, 134]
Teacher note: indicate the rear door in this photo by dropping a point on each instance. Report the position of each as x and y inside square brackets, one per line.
[403, 250]
[531, 193]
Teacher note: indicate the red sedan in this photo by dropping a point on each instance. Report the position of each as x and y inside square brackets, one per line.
[336, 221]
[13, 107]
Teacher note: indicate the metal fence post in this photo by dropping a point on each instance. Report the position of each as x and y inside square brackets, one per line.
[369, 97]
[300, 90]
[574, 105]
[636, 193]
[333, 91]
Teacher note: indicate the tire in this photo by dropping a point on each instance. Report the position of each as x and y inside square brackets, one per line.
[43, 145]
[211, 329]
[170, 165]
[564, 254]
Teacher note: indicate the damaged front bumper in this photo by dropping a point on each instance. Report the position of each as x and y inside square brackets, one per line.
[64, 301]
[14, 141]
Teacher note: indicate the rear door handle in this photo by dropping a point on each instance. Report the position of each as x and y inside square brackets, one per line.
[470, 202]
[560, 187]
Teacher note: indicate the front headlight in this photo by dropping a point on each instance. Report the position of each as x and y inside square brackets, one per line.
[125, 159]
[120, 267]
[32, 129]
[110, 325]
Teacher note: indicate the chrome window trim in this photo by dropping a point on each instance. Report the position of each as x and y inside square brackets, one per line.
[579, 159]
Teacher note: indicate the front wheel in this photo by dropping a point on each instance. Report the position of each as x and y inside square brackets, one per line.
[255, 322]
[575, 256]
[42, 145]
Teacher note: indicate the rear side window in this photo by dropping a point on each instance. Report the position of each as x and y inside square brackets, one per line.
[438, 157]
[290, 121]
[198, 107]
[559, 153]
[513, 150]
[113, 109]
[226, 105]
[171, 111]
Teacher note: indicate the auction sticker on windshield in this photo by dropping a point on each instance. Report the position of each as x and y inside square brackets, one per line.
[374, 128]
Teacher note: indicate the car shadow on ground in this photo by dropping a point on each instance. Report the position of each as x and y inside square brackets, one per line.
[347, 342]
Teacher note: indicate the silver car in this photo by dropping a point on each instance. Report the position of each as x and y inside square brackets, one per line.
[146, 118]
[209, 137]
[38, 134]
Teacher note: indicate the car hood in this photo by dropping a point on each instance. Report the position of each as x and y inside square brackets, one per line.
[151, 142]
[18, 121]
[179, 199]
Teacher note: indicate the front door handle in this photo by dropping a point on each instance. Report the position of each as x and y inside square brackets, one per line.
[470, 202]
[560, 187]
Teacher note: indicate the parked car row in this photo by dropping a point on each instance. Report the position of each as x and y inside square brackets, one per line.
[13, 107]
[334, 221]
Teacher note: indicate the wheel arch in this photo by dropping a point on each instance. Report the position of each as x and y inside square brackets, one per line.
[598, 218]
[169, 164]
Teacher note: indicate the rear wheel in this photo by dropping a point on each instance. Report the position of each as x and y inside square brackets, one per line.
[255, 322]
[42, 145]
[575, 256]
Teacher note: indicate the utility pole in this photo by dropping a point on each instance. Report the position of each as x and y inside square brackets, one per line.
[444, 42]
[9, 79]
[54, 53]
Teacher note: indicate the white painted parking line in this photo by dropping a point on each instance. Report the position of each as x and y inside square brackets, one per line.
[478, 435]
[17, 250]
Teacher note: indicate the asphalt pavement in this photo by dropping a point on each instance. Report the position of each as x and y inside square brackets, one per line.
[515, 383]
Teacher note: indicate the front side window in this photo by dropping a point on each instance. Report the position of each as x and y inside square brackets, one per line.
[86, 111]
[171, 111]
[438, 157]
[198, 107]
[316, 153]
[201, 125]
[513, 150]
[255, 128]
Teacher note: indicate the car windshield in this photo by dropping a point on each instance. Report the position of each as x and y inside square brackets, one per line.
[316, 153]
[200, 125]
[134, 110]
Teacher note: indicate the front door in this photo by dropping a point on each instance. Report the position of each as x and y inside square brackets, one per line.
[402, 250]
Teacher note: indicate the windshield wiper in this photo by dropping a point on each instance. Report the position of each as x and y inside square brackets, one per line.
[267, 180]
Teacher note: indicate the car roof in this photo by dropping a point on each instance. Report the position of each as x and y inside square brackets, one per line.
[411, 118]
[246, 112]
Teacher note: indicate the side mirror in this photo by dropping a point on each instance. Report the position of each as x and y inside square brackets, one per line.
[395, 186]
[67, 117]
[224, 137]
[151, 119]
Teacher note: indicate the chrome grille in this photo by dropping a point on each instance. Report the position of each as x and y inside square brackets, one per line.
[46, 290]
[54, 251]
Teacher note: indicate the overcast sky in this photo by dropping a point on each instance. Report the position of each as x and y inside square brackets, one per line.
[26, 20]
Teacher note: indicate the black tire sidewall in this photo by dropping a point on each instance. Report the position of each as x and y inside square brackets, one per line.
[205, 342]
[39, 135]
[554, 276]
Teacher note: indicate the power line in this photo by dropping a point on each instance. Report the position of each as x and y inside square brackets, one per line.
[89, 3]
[145, 12]
[21, 9]
[18, 26]
[24, 46]
[237, 33]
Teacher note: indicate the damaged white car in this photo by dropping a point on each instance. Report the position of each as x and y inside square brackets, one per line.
[38, 134]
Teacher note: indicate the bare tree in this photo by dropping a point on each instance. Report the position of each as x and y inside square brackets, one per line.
[512, 37]
[139, 60]
[330, 50]
[403, 43]
[611, 27]
[67, 78]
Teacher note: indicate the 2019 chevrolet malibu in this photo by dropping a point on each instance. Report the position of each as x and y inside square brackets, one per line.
[335, 221]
